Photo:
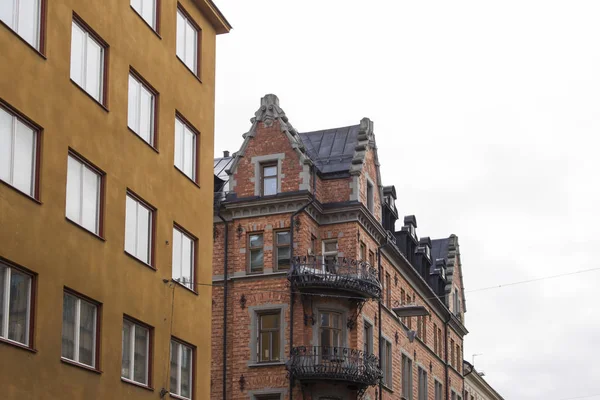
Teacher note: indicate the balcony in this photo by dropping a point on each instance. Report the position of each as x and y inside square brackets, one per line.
[350, 366]
[351, 276]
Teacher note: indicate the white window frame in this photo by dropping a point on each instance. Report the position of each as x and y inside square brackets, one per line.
[16, 120]
[179, 346]
[76, 328]
[14, 24]
[143, 4]
[140, 204]
[180, 145]
[82, 80]
[134, 327]
[140, 87]
[325, 254]
[189, 24]
[79, 220]
[190, 285]
[6, 305]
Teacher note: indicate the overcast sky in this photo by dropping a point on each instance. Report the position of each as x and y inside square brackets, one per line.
[487, 117]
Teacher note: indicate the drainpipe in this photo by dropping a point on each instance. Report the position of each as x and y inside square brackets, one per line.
[446, 354]
[379, 311]
[314, 197]
[226, 238]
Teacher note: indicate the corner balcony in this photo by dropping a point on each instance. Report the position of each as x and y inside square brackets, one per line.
[325, 363]
[351, 276]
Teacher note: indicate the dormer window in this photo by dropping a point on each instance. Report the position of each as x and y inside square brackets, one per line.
[427, 252]
[269, 179]
[370, 196]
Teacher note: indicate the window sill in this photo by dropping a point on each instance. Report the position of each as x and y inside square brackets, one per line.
[39, 53]
[185, 287]
[82, 366]
[387, 388]
[189, 69]
[176, 396]
[85, 229]
[17, 345]
[146, 22]
[145, 264]
[140, 138]
[134, 383]
[188, 178]
[21, 192]
[254, 364]
[89, 95]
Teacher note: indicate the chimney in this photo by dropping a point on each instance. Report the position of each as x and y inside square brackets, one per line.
[226, 153]
[437, 278]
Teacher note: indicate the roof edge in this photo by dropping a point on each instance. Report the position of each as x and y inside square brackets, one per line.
[214, 15]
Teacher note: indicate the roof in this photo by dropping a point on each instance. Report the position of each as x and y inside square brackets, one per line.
[220, 166]
[439, 249]
[331, 150]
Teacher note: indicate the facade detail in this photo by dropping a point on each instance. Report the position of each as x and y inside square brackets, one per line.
[100, 263]
[353, 308]
[476, 388]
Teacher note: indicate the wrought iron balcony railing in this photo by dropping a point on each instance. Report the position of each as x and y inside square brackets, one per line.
[354, 276]
[314, 363]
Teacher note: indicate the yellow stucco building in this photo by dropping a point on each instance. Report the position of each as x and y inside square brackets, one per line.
[106, 180]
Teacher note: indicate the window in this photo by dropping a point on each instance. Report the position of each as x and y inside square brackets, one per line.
[282, 249]
[79, 330]
[458, 358]
[88, 65]
[371, 258]
[185, 149]
[438, 390]
[386, 363]
[424, 323]
[138, 229]
[456, 302]
[84, 185]
[141, 109]
[147, 10]
[403, 302]
[187, 41]
[368, 338]
[363, 251]
[255, 247]
[419, 326]
[330, 331]
[388, 290]
[268, 337]
[330, 255]
[453, 395]
[422, 389]
[135, 362]
[15, 305]
[370, 196]
[452, 352]
[181, 369]
[435, 339]
[269, 179]
[18, 153]
[407, 378]
[440, 343]
[23, 17]
[313, 245]
[184, 253]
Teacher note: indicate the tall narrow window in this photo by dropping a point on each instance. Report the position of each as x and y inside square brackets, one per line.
[80, 322]
[458, 358]
[282, 248]
[438, 390]
[370, 196]
[435, 339]
[313, 245]
[15, 305]
[269, 179]
[368, 338]
[185, 149]
[135, 361]
[371, 258]
[386, 363]
[87, 61]
[403, 302]
[440, 343]
[407, 378]
[330, 332]
[255, 247]
[363, 251]
[419, 326]
[187, 41]
[181, 369]
[141, 109]
[147, 10]
[138, 229]
[18, 151]
[184, 252]
[388, 290]
[83, 194]
[268, 337]
[452, 352]
[23, 17]
[422, 389]
[330, 255]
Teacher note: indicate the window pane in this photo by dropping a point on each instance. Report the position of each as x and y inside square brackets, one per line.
[137, 5]
[28, 20]
[68, 328]
[173, 387]
[189, 148]
[6, 135]
[275, 346]
[179, 144]
[186, 371]
[190, 47]
[270, 186]
[180, 36]
[23, 178]
[148, 12]
[330, 246]
[126, 353]
[269, 321]
[325, 339]
[87, 333]
[132, 105]
[143, 233]
[141, 355]
[91, 193]
[77, 42]
[130, 225]
[270, 171]
[146, 115]
[93, 73]
[187, 248]
[2, 289]
[256, 240]
[283, 238]
[283, 257]
[6, 12]
[264, 346]
[18, 311]
[256, 260]
[176, 254]
[74, 189]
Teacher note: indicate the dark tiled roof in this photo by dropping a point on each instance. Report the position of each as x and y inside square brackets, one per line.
[331, 149]
[439, 249]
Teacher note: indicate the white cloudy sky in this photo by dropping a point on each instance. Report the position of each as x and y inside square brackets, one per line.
[486, 117]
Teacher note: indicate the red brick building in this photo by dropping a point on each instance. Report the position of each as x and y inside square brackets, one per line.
[325, 300]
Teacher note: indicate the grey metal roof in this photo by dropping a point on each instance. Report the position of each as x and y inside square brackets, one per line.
[220, 166]
[439, 249]
[331, 149]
